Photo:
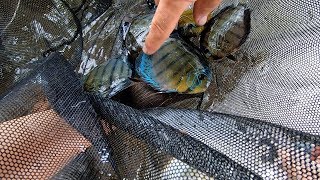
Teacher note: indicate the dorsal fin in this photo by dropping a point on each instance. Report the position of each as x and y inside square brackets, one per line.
[119, 47]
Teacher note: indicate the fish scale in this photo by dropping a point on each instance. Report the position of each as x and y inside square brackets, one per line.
[166, 71]
[158, 58]
[103, 73]
[187, 68]
[109, 77]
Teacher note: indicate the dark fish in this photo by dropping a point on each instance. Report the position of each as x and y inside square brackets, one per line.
[110, 77]
[226, 32]
[174, 68]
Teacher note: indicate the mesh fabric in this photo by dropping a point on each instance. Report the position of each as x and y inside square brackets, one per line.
[258, 120]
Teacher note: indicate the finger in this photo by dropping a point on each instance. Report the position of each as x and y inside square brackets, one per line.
[164, 21]
[157, 2]
[202, 8]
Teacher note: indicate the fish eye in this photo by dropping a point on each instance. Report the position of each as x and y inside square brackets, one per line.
[201, 77]
[189, 26]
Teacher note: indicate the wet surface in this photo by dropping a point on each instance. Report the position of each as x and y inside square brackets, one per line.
[25, 38]
[227, 74]
[93, 45]
[279, 86]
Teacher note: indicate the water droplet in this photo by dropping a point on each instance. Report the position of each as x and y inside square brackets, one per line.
[104, 155]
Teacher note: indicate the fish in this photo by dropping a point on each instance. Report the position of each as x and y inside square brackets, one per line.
[109, 78]
[226, 32]
[112, 76]
[174, 68]
[187, 26]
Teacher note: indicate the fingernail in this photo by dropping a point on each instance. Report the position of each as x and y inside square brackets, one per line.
[202, 20]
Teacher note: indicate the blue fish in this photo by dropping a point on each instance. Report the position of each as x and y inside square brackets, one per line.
[174, 68]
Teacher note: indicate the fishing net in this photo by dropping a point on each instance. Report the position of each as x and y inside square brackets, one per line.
[258, 120]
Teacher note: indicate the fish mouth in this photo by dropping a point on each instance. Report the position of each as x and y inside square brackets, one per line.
[205, 74]
[200, 79]
[202, 76]
[200, 82]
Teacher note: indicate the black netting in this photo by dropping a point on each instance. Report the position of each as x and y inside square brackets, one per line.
[259, 118]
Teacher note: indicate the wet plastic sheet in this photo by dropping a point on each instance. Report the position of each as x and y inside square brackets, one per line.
[261, 119]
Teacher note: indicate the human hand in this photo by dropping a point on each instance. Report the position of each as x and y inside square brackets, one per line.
[167, 16]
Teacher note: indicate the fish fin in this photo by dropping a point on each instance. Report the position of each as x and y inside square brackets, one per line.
[125, 26]
[151, 82]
